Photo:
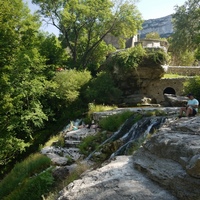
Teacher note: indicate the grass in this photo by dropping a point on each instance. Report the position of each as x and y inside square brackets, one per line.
[113, 122]
[30, 176]
[97, 108]
[173, 76]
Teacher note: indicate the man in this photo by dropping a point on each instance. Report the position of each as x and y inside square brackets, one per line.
[192, 107]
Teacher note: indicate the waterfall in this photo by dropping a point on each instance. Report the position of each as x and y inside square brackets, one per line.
[131, 131]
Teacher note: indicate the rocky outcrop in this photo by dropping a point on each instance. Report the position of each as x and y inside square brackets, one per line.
[167, 166]
[175, 101]
[172, 158]
[163, 26]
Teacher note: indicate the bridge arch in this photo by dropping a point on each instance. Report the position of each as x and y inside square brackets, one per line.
[169, 90]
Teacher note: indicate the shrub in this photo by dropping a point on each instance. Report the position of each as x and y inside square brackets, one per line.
[91, 142]
[69, 83]
[113, 122]
[19, 175]
[33, 187]
[128, 58]
[192, 85]
[102, 90]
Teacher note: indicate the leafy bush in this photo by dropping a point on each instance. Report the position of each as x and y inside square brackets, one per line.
[69, 83]
[20, 176]
[113, 122]
[155, 57]
[91, 142]
[33, 187]
[102, 90]
[128, 58]
[192, 85]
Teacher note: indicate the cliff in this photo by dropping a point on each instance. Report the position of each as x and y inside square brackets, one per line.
[162, 25]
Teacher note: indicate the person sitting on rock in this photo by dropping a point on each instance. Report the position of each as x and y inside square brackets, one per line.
[191, 109]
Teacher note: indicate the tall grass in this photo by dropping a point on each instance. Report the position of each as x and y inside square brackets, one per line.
[28, 179]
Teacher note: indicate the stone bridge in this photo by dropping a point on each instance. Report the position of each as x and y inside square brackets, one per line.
[157, 88]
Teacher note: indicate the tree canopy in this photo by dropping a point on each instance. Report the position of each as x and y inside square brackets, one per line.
[186, 26]
[24, 84]
[84, 24]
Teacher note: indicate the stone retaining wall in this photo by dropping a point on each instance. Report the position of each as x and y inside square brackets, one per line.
[157, 88]
[184, 70]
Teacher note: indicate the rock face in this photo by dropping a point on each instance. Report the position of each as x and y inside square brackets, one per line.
[167, 167]
[163, 26]
[171, 158]
[115, 181]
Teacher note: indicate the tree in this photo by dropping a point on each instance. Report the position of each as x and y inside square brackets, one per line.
[23, 81]
[84, 24]
[186, 26]
[152, 35]
[186, 37]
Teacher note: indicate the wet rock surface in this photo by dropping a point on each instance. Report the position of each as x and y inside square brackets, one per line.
[166, 166]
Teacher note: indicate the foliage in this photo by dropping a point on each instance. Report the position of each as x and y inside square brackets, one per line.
[155, 57]
[131, 58]
[69, 84]
[102, 90]
[173, 76]
[97, 108]
[184, 58]
[83, 25]
[186, 26]
[91, 142]
[192, 85]
[50, 48]
[128, 58]
[152, 35]
[186, 40]
[113, 122]
[27, 178]
[25, 86]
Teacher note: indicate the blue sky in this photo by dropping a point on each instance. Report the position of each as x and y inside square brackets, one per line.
[150, 9]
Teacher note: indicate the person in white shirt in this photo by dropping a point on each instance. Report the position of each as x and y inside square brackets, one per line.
[191, 108]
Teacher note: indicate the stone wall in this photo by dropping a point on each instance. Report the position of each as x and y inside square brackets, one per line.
[157, 88]
[184, 70]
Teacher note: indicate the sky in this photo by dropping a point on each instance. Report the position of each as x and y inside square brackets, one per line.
[150, 9]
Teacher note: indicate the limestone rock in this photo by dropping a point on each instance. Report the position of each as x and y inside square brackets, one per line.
[60, 173]
[166, 166]
[163, 26]
[175, 101]
[117, 180]
[171, 158]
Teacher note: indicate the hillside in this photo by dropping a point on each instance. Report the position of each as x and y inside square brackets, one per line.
[162, 25]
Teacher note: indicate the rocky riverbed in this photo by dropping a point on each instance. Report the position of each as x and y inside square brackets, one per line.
[166, 166]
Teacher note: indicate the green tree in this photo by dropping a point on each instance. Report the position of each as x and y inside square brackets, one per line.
[152, 35]
[186, 26]
[192, 85]
[50, 48]
[69, 84]
[23, 81]
[186, 37]
[84, 24]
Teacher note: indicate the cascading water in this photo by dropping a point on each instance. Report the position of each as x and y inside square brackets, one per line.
[130, 131]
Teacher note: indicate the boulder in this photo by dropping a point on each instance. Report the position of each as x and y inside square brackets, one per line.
[175, 101]
[171, 158]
